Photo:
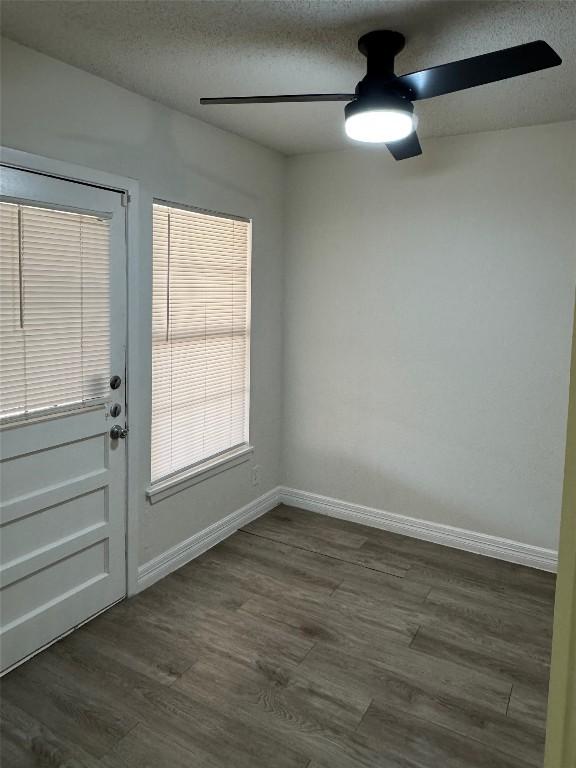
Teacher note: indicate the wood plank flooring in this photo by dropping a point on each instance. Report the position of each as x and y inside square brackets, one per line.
[300, 642]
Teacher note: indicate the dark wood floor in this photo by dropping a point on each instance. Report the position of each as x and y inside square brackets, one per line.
[300, 642]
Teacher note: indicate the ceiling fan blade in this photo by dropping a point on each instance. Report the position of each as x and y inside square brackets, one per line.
[405, 148]
[479, 70]
[281, 99]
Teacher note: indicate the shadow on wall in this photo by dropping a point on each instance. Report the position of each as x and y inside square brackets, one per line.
[157, 128]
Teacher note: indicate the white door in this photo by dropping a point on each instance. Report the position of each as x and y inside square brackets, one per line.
[62, 342]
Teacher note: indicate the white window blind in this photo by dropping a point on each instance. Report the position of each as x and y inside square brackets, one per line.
[54, 309]
[200, 336]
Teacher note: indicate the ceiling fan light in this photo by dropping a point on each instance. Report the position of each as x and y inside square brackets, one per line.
[379, 126]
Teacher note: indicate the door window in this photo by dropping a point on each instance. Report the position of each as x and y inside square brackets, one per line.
[54, 308]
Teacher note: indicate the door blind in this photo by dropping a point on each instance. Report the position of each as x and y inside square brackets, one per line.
[200, 337]
[54, 309]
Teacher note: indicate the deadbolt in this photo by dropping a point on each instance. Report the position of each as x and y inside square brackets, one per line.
[115, 409]
[115, 382]
[118, 433]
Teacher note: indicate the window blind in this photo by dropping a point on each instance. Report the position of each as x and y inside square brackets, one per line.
[54, 309]
[200, 337]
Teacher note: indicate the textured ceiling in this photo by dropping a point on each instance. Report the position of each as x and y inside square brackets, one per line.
[175, 51]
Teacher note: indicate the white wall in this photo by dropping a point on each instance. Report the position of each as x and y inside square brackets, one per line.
[428, 312]
[52, 109]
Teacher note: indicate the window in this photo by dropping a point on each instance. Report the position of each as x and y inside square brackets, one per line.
[200, 337]
[54, 309]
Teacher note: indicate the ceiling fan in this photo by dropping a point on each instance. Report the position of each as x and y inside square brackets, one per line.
[381, 110]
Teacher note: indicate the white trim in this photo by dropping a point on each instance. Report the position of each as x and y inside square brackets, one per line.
[64, 170]
[167, 486]
[449, 536]
[130, 187]
[187, 550]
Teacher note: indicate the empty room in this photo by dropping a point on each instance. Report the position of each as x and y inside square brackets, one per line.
[287, 384]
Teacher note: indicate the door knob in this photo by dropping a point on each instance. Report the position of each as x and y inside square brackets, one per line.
[118, 433]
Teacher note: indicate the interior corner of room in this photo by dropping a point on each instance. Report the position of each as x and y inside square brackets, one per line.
[390, 452]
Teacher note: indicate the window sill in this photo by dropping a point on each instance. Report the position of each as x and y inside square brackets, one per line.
[171, 485]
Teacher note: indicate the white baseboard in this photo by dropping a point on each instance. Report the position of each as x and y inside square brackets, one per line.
[188, 549]
[449, 536]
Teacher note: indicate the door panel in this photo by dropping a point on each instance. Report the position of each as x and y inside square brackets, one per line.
[62, 499]
[37, 530]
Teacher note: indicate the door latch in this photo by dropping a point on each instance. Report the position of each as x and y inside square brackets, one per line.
[118, 433]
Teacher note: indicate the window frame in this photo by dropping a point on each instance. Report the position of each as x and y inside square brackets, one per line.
[194, 473]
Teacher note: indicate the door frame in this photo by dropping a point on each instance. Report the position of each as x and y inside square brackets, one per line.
[131, 188]
[561, 721]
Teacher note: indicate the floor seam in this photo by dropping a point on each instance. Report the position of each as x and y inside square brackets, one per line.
[415, 634]
[181, 675]
[509, 699]
[459, 734]
[336, 588]
[308, 652]
[322, 554]
[120, 740]
[359, 723]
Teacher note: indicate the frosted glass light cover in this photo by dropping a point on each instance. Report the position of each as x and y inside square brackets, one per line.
[379, 125]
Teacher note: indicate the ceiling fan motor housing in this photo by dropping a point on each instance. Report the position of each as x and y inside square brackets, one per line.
[381, 88]
[381, 48]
